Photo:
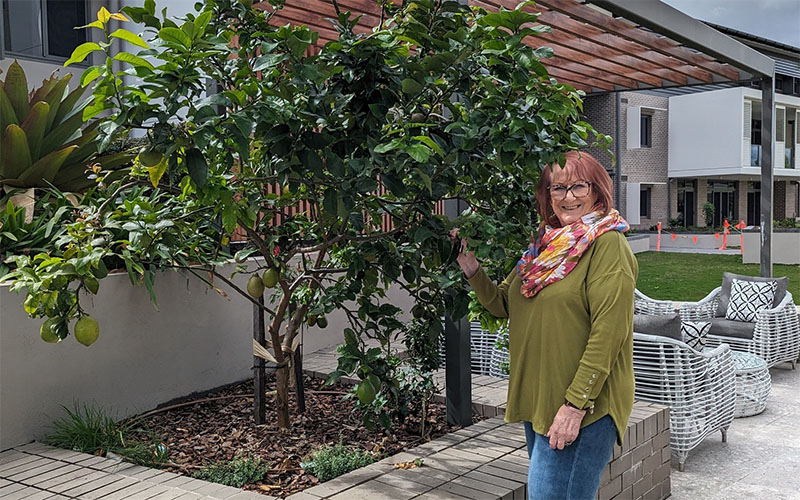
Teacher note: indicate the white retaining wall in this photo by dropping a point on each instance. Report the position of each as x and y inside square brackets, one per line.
[785, 248]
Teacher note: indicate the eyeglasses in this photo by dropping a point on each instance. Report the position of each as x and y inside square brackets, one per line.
[579, 190]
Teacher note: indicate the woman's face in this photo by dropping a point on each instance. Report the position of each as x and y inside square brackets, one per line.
[564, 186]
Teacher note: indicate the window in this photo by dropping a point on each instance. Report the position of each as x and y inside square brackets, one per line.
[43, 29]
[646, 131]
[644, 202]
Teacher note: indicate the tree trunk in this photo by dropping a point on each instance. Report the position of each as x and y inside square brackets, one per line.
[282, 396]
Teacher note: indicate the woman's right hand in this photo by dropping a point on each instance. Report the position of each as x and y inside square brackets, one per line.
[467, 261]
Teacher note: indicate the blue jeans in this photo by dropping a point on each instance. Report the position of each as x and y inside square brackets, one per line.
[574, 472]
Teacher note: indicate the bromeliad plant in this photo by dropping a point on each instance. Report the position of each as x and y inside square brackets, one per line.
[43, 141]
[441, 101]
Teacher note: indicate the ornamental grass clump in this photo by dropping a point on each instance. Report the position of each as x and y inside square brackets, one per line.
[237, 472]
[90, 429]
[329, 462]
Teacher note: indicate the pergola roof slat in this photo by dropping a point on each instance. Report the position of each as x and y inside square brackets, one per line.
[631, 32]
[643, 55]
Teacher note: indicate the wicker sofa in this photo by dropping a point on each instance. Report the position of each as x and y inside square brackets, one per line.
[774, 337]
[699, 388]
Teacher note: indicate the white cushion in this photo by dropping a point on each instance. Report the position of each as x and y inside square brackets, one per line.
[748, 298]
[694, 333]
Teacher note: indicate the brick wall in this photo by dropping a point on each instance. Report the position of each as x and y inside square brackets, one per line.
[644, 165]
[779, 200]
[702, 198]
[641, 467]
[791, 199]
[742, 202]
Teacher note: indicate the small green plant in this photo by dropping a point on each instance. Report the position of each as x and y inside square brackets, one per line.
[90, 429]
[329, 462]
[708, 213]
[237, 472]
[502, 343]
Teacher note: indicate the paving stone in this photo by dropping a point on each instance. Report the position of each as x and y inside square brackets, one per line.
[104, 479]
[515, 476]
[150, 490]
[64, 455]
[249, 495]
[79, 478]
[189, 496]
[33, 447]
[4, 482]
[51, 477]
[32, 493]
[23, 493]
[439, 494]
[488, 489]
[403, 481]
[504, 482]
[303, 495]
[374, 490]
[461, 491]
[11, 488]
[177, 481]
[30, 469]
[119, 483]
[129, 491]
[170, 494]
[215, 490]
[10, 456]
[19, 462]
[428, 476]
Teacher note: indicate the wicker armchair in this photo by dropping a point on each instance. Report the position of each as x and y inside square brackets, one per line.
[698, 387]
[481, 348]
[776, 335]
[642, 304]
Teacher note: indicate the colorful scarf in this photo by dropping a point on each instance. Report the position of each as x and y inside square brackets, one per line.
[556, 251]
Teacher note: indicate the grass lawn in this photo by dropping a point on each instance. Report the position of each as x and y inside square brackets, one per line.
[688, 276]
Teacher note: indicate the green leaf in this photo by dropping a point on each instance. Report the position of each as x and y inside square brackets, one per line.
[16, 87]
[129, 37]
[411, 86]
[419, 152]
[311, 161]
[81, 51]
[175, 35]
[133, 60]
[201, 22]
[197, 166]
[90, 74]
[15, 156]
[430, 143]
[268, 61]
[34, 126]
[91, 284]
[229, 217]
[149, 281]
[157, 172]
[7, 114]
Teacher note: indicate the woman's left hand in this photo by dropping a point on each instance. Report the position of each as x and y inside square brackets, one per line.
[565, 427]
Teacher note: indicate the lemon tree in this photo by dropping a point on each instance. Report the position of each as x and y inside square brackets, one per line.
[367, 134]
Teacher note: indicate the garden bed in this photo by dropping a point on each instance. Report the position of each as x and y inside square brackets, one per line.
[218, 429]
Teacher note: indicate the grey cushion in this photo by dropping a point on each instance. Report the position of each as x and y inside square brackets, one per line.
[728, 328]
[668, 325]
[725, 293]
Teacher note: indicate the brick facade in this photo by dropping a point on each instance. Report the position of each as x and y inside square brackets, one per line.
[779, 201]
[792, 193]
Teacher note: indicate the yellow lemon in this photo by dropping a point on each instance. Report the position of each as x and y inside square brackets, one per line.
[255, 287]
[270, 277]
[86, 330]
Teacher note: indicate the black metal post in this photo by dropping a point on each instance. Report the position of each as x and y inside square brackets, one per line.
[458, 377]
[767, 151]
[259, 375]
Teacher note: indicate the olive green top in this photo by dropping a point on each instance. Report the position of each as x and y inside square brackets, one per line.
[573, 340]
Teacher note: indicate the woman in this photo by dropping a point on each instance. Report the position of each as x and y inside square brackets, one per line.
[570, 307]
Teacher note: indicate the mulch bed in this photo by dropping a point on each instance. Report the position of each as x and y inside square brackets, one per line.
[209, 431]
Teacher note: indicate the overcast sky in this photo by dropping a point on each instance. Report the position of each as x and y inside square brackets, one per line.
[777, 20]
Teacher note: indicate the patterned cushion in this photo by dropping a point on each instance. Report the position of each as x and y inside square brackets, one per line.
[694, 333]
[748, 298]
[725, 293]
